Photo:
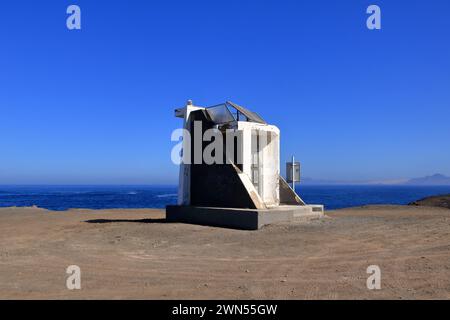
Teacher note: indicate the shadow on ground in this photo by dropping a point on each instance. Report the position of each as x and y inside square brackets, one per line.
[127, 220]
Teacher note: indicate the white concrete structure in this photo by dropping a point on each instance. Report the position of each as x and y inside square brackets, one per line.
[185, 170]
[261, 159]
[260, 150]
[242, 188]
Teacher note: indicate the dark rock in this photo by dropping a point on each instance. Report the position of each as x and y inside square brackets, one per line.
[442, 201]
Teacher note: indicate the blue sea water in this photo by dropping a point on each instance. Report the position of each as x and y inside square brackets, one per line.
[108, 197]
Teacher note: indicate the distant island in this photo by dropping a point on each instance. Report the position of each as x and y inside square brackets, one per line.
[433, 180]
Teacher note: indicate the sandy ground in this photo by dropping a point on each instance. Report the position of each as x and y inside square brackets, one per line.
[135, 254]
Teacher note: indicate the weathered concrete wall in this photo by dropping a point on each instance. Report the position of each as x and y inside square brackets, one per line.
[185, 170]
[271, 169]
[218, 186]
[287, 195]
[218, 217]
[215, 185]
[268, 158]
[221, 184]
[247, 219]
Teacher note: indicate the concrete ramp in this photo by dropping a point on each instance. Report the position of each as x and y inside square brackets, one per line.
[287, 195]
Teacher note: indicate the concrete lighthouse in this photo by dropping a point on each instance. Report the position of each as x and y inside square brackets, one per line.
[230, 171]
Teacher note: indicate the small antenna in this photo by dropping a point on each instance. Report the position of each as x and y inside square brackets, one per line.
[293, 173]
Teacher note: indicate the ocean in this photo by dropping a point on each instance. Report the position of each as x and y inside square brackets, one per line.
[108, 197]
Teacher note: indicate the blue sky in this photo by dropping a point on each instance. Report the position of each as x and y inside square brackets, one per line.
[95, 106]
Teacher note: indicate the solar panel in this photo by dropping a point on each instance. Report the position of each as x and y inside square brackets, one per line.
[251, 116]
[221, 114]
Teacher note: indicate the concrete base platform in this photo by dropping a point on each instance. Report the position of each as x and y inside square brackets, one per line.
[245, 219]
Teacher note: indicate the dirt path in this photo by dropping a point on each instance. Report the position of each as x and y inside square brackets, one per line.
[136, 254]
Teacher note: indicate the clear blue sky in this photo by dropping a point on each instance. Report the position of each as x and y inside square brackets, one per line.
[96, 106]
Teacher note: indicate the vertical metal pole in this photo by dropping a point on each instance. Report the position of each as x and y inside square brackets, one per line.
[293, 171]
